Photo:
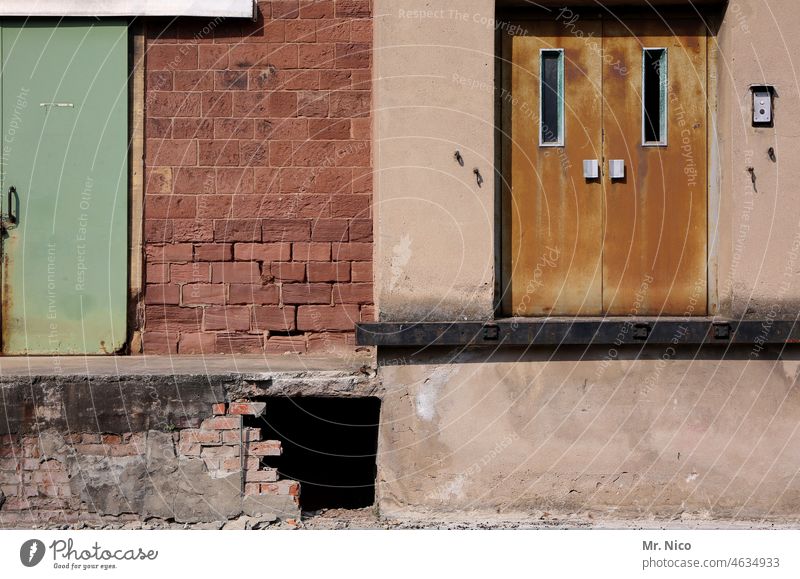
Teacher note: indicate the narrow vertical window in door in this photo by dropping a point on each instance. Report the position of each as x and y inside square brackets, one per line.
[654, 97]
[551, 101]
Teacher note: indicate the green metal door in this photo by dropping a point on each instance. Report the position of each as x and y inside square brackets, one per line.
[65, 160]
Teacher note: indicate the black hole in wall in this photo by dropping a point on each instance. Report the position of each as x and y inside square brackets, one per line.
[329, 445]
[653, 96]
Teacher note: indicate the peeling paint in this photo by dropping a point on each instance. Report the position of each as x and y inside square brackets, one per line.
[428, 393]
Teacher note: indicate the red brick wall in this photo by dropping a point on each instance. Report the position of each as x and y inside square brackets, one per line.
[258, 186]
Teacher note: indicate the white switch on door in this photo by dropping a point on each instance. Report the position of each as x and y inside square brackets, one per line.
[591, 169]
[616, 169]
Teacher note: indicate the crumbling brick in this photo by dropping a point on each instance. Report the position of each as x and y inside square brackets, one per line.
[265, 448]
[247, 408]
[221, 423]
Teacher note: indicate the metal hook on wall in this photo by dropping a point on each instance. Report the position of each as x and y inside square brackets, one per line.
[478, 176]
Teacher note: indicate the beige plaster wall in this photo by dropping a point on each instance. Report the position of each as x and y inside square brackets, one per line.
[759, 234]
[434, 253]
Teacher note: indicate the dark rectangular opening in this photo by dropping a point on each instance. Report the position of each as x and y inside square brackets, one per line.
[653, 95]
[329, 446]
[551, 91]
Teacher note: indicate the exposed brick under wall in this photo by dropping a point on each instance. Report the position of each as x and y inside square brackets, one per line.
[42, 482]
[258, 223]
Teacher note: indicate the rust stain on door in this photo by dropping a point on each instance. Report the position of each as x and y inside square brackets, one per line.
[655, 242]
[555, 214]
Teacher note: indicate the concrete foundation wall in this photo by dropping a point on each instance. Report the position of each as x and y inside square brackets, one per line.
[515, 433]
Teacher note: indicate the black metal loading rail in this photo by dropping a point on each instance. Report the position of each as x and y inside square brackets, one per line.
[570, 332]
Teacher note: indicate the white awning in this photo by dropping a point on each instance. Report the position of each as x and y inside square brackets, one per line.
[224, 8]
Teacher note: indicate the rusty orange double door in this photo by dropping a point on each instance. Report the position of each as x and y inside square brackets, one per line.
[605, 165]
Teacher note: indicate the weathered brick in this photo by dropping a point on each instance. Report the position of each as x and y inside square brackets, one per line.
[353, 9]
[316, 8]
[171, 252]
[328, 343]
[238, 230]
[216, 104]
[196, 343]
[219, 451]
[353, 55]
[247, 408]
[264, 448]
[288, 271]
[253, 294]
[162, 294]
[285, 344]
[350, 104]
[219, 408]
[334, 30]
[237, 343]
[236, 128]
[221, 423]
[203, 294]
[236, 272]
[219, 153]
[263, 475]
[175, 152]
[274, 318]
[329, 230]
[213, 56]
[361, 230]
[244, 435]
[195, 181]
[213, 251]
[235, 181]
[304, 293]
[199, 436]
[361, 271]
[227, 318]
[187, 448]
[266, 252]
[171, 57]
[193, 80]
[194, 230]
[321, 318]
[353, 293]
[189, 272]
[284, 487]
[300, 31]
[332, 271]
[352, 252]
[303, 251]
[192, 128]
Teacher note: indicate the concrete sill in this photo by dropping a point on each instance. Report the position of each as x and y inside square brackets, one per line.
[208, 368]
[580, 331]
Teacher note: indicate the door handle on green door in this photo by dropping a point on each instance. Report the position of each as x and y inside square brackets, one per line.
[12, 192]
